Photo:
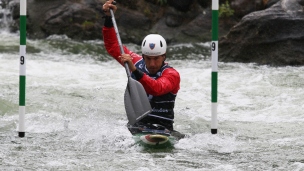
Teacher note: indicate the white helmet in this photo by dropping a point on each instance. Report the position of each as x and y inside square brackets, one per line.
[153, 45]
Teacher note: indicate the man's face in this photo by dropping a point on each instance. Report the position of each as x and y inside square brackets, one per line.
[154, 63]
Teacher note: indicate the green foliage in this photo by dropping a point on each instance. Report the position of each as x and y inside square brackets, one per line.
[225, 10]
[162, 2]
[147, 12]
[87, 24]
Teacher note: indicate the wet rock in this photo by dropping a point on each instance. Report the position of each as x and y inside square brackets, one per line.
[181, 5]
[269, 3]
[273, 36]
[75, 20]
[133, 26]
[174, 20]
[178, 21]
[244, 7]
[204, 3]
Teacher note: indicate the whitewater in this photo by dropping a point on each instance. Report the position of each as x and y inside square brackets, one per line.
[75, 117]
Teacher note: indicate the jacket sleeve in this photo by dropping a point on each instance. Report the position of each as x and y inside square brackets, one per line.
[168, 82]
[112, 45]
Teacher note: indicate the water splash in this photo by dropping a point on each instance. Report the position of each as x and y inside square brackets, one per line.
[75, 116]
[5, 16]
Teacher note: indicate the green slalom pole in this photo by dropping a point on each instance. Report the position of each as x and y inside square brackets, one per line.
[214, 73]
[22, 68]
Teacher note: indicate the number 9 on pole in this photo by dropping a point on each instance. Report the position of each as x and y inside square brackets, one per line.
[22, 61]
[213, 46]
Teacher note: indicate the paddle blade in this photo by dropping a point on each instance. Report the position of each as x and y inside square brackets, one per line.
[137, 104]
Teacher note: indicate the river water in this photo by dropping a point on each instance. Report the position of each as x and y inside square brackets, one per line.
[75, 118]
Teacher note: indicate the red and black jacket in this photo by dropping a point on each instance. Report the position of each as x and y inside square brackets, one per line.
[161, 88]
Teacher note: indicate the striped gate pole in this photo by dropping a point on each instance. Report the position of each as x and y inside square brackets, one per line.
[22, 68]
[214, 73]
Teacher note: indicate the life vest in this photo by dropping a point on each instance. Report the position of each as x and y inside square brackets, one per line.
[161, 105]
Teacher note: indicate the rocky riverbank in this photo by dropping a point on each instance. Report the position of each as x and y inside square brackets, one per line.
[261, 31]
[177, 20]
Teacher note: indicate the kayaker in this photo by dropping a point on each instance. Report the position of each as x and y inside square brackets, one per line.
[160, 81]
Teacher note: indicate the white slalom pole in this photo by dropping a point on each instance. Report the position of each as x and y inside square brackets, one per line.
[22, 68]
[214, 74]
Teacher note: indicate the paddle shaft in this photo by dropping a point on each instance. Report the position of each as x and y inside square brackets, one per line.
[137, 104]
[156, 116]
[119, 41]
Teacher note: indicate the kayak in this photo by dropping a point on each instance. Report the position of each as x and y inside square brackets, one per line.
[158, 139]
[155, 141]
